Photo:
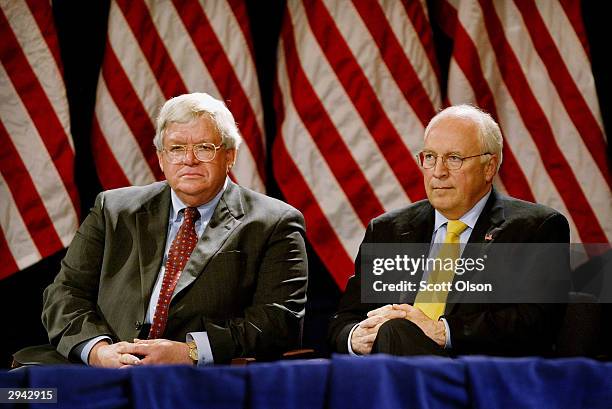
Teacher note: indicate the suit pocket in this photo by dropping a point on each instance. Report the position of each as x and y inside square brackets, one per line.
[228, 269]
[232, 262]
[225, 286]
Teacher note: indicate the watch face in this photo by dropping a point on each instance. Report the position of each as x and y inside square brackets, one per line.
[193, 352]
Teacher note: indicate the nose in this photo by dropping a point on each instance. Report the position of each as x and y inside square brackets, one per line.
[440, 170]
[190, 158]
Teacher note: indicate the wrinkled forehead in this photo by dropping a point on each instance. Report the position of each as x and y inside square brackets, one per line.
[197, 130]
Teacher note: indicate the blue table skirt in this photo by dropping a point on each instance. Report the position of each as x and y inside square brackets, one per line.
[341, 382]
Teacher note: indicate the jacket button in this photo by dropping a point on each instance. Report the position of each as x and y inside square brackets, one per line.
[138, 325]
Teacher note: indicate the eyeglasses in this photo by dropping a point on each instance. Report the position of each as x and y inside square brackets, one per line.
[204, 152]
[428, 160]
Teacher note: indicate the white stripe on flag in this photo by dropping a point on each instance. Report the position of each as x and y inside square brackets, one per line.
[124, 147]
[39, 56]
[368, 120]
[317, 174]
[18, 239]
[35, 156]
[347, 121]
[571, 50]
[179, 49]
[179, 45]
[237, 51]
[38, 197]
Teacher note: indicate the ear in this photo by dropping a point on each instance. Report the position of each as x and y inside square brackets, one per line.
[230, 159]
[159, 159]
[491, 169]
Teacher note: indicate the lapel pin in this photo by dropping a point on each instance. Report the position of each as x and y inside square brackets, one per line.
[488, 237]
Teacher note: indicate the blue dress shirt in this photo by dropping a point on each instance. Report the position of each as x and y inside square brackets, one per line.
[206, 211]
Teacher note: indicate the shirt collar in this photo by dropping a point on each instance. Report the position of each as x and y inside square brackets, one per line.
[470, 218]
[204, 209]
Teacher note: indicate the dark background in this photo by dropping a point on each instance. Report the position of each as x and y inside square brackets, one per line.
[81, 27]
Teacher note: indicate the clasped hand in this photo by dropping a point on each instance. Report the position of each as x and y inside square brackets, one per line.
[365, 333]
[139, 352]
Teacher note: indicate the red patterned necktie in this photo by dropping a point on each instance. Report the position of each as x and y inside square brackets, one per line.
[179, 253]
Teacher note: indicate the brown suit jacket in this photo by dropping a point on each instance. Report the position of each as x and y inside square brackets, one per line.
[245, 282]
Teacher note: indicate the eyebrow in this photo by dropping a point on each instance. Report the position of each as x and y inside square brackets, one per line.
[447, 153]
[170, 142]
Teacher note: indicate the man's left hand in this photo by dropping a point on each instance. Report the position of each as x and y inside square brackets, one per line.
[160, 351]
[433, 329]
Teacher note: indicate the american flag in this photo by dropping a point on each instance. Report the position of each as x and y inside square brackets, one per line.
[38, 196]
[357, 82]
[160, 49]
[528, 64]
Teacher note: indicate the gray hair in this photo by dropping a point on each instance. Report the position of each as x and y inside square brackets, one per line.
[188, 107]
[490, 135]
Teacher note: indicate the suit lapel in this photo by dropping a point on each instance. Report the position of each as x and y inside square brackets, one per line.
[152, 221]
[490, 219]
[223, 222]
[419, 228]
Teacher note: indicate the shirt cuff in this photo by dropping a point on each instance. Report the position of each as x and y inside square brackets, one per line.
[84, 348]
[205, 356]
[447, 344]
[350, 349]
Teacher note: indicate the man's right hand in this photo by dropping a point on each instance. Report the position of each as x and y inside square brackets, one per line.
[107, 355]
[364, 335]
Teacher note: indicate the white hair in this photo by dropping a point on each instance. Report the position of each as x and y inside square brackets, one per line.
[189, 107]
[490, 135]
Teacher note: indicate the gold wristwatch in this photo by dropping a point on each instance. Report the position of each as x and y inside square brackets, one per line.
[193, 352]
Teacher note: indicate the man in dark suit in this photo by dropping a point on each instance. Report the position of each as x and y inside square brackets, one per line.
[195, 269]
[462, 153]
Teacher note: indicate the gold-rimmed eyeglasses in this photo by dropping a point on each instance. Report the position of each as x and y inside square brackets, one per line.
[204, 152]
[452, 161]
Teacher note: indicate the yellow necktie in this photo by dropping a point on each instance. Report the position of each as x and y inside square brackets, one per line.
[432, 303]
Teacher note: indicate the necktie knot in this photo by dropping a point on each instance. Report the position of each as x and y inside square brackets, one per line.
[191, 214]
[455, 227]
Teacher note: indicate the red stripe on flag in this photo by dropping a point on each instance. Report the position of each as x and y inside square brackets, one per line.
[365, 100]
[222, 72]
[573, 12]
[153, 48]
[26, 197]
[295, 189]
[240, 11]
[109, 171]
[8, 265]
[326, 137]
[320, 233]
[561, 79]
[39, 107]
[589, 228]
[395, 59]
[43, 14]
[417, 15]
[466, 56]
[131, 108]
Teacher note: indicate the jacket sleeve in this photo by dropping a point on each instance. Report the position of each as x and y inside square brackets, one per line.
[70, 314]
[272, 323]
[350, 310]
